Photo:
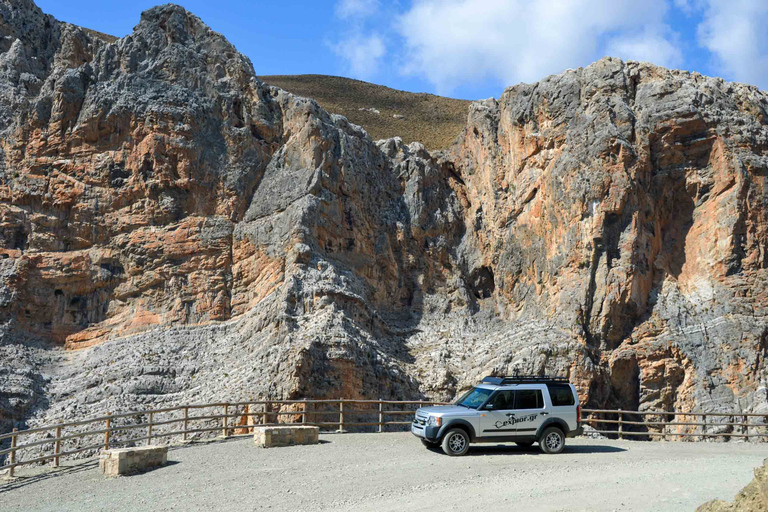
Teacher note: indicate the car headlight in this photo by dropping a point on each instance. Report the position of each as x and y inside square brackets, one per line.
[434, 421]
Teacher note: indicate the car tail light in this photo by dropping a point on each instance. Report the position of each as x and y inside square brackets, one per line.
[578, 413]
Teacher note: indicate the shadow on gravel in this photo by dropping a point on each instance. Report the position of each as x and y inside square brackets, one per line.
[22, 481]
[593, 449]
[500, 449]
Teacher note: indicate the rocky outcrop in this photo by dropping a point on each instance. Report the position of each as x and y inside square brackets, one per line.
[625, 203]
[173, 230]
[752, 498]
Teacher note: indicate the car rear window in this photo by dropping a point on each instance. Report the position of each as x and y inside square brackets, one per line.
[528, 399]
[561, 394]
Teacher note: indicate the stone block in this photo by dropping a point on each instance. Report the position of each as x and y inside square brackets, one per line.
[267, 437]
[129, 461]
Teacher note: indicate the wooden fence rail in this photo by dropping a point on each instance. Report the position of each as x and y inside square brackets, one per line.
[238, 411]
[314, 412]
[719, 425]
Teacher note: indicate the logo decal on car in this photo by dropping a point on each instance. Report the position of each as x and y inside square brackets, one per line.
[511, 420]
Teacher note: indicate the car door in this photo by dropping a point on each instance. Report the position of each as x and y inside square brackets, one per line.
[528, 411]
[497, 417]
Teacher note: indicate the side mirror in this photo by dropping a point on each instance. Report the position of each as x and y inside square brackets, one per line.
[488, 407]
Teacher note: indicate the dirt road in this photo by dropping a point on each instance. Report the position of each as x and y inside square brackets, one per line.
[393, 472]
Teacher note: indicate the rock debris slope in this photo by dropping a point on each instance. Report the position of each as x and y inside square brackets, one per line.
[173, 230]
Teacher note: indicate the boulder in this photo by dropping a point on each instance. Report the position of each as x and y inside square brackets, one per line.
[268, 437]
[129, 461]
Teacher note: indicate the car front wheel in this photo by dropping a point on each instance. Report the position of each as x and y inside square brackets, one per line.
[552, 440]
[455, 442]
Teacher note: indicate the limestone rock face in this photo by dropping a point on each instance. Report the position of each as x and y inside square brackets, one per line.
[626, 203]
[172, 230]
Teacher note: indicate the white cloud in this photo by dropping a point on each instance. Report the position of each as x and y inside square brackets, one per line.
[356, 8]
[363, 54]
[687, 6]
[734, 31]
[361, 50]
[646, 45]
[452, 42]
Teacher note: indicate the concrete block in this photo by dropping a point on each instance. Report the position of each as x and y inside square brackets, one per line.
[266, 437]
[129, 461]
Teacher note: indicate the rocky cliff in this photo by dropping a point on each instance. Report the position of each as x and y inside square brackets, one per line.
[174, 230]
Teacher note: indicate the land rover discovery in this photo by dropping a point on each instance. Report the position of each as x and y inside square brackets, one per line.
[523, 410]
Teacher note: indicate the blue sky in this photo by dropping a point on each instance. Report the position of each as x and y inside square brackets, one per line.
[466, 48]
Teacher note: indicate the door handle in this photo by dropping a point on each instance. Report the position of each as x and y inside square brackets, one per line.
[544, 413]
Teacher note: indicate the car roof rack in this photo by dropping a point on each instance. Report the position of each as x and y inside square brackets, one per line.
[524, 379]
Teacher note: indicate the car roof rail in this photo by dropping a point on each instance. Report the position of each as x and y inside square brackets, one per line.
[524, 379]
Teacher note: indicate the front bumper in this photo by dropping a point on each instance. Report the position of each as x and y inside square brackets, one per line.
[575, 433]
[425, 432]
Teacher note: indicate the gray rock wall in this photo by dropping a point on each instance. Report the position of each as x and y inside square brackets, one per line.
[172, 230]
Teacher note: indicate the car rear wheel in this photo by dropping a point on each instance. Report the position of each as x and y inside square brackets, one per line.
[552, 440]
[455, 442]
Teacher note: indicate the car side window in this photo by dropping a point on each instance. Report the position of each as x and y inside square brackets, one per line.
[529, 399]
[504, 400]
[561, 395]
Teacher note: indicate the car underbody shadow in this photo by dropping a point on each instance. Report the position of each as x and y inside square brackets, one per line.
[512, 449]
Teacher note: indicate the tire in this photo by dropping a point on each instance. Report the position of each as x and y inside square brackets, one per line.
[524, 444]
[552, 440]
[455, 442]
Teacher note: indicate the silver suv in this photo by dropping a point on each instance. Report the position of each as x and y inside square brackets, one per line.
[523, 410]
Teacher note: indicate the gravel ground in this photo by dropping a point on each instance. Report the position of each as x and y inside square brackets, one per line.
[393, 472]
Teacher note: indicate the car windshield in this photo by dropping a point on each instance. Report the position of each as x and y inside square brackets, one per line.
[474, 398]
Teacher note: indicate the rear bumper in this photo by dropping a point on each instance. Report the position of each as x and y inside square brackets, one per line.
[428, 433]
[574, 433]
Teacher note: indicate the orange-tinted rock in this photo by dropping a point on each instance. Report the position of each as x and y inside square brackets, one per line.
[204, 237]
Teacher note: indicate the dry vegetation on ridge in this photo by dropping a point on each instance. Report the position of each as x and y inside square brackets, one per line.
[434, 121]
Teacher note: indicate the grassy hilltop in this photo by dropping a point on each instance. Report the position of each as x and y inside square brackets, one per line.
[434, 121]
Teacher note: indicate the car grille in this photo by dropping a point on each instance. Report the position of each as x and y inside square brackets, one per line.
[420, 418]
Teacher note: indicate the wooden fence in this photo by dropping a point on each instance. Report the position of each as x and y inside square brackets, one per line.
[47, 443]
[676, 425]
[232, 419]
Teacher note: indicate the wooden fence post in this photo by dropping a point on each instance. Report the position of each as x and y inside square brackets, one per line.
[746, 428]
[224, 421]
[13, 452]
[664, 426]
[765, 422]
[732, 421]
[704, 427]
[381, 416]
[108, 432]
[57, 447]
[341, 415]
[186, 423]
[149, 429]
[304, 413]
[621, 426]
